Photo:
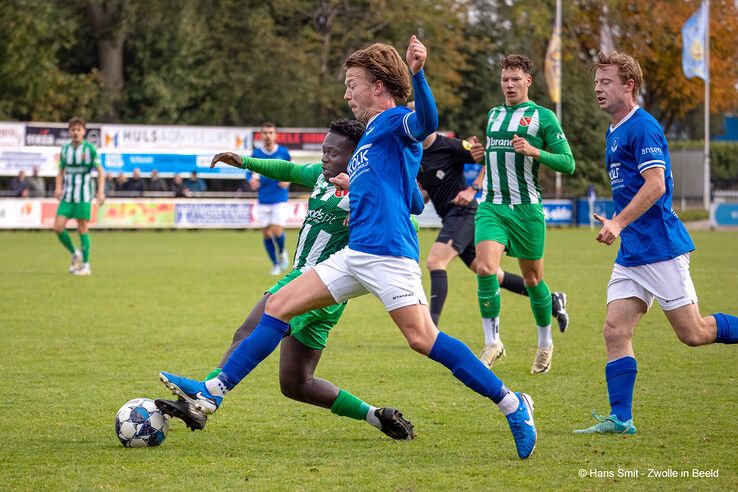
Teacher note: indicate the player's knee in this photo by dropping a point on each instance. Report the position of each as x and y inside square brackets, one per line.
[58, 229]
[277, 306]
[531, 279]
[291, 388]
[614, 334]
[691, 338]
[435, 263]
[419, 341]
[485, 269]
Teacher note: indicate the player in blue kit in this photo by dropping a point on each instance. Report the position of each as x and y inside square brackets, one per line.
[273, 196]
[382, 253]
[653, 259]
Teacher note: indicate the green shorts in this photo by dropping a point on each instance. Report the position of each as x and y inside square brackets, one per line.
[74, 210]
[520, 228]
[311, 328]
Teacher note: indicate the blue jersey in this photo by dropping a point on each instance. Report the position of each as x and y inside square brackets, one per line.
[636, 144]
[382, 175]
[269, 190]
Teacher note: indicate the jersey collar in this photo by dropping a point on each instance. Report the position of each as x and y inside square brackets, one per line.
[627, 117]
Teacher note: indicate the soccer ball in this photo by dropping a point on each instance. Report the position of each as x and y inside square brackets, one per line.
[139, 424]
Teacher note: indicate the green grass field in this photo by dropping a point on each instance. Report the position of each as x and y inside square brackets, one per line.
[75, 349]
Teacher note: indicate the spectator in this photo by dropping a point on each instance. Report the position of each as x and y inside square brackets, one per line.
[109, 184]
[179, 188]
[135, 185]
[20, 185]
[195, 184]
[156, 183]
[120, 182]
[36, 183]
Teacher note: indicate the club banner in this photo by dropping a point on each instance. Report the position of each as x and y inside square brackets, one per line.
[148, 214]
[182, 139]
[11, 134]
[56, 135]
[12, 161]
[167, 164]
[297, 139]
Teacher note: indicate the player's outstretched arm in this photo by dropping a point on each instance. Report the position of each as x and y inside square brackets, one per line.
[272, 168]
[424, 120]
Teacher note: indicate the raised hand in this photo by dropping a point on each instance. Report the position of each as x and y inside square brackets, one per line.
[416, 54]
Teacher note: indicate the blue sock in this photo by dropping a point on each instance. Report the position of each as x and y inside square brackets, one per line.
[280, 243]
[254, 349]
[621, 376]
[467, 368]
[269, 245]
[727, 328]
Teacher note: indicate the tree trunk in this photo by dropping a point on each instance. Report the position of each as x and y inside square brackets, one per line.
[108, 19]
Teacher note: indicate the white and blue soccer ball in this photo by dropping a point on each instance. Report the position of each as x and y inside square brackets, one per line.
[139, 424]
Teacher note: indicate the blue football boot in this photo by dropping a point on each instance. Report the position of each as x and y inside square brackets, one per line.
[193, 392]
[522, 426]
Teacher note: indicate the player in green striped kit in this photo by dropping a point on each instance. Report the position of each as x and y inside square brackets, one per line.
[510, 217]
[323, 233]
[73, 188]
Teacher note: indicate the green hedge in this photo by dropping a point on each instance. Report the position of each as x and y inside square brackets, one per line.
[723, 161]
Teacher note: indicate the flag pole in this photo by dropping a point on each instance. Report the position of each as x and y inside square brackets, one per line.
[706, 170]
[558, 83]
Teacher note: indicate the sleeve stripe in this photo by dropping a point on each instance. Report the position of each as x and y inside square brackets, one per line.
[642, 164]
[407, 128]
[640, 170]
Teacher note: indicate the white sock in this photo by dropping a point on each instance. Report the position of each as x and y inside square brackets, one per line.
[372, 419]
[509, 403]
[491, 327]
[545, 338]
[216, 387]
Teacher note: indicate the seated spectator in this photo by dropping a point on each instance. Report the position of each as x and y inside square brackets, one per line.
[20, 185]
[36, 183]
[120, 182]
[156, 183]
[195, 184]
[179, 189]
[135, 185]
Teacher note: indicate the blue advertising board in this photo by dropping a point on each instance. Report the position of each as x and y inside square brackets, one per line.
[166, 164]
[602, 207]
[724, 214]
[558, 212]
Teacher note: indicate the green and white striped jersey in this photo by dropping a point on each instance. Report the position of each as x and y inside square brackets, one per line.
[323, 232]
[512, 178]
[77, 163]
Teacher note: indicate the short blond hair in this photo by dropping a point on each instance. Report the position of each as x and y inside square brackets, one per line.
[384, 63]
[628, 68]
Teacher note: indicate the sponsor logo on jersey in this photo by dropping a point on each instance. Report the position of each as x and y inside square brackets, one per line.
[340, 193]
[560, 136]
[359, 158]
[525, 120]
[440, 174]
[499, 142]
[651, 150]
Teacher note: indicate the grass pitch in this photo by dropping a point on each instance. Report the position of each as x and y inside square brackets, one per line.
[76, 349]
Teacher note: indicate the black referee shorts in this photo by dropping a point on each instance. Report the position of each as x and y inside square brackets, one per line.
[458, 227]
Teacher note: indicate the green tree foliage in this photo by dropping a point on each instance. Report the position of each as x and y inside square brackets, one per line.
[241, 62]
[40, 78]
